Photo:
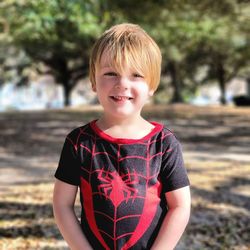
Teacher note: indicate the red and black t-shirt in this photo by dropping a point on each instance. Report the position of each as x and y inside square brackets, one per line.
[122, 183]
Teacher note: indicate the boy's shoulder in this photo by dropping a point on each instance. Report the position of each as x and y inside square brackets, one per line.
[76, 132]
[169, 136]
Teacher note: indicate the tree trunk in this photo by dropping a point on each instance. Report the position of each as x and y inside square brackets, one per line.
[66, 91]
[248, 86]
[176, 83]
[222, 82]
[63, 77]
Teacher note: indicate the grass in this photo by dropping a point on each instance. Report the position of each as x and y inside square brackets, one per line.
[216, 144]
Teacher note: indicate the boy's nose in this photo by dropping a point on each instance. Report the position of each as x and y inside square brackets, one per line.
[122, 82]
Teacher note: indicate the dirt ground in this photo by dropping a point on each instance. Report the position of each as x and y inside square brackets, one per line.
[216, 146]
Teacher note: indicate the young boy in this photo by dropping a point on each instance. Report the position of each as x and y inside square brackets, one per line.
[134, 189]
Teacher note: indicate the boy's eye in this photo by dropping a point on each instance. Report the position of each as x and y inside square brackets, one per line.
[137, 75]
[110, 74]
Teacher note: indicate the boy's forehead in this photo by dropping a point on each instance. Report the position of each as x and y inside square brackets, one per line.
[105, 60]
[109, 59]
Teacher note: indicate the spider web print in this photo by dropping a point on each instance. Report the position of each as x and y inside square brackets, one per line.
[119, 201]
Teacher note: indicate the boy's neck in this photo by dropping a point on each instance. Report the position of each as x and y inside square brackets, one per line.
[125, 128]
[108, 122]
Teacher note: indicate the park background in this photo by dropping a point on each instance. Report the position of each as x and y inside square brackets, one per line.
[203, 97]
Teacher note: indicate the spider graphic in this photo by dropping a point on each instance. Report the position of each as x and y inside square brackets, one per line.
[117, 187]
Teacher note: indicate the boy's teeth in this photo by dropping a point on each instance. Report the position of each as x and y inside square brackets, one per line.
[121, 98]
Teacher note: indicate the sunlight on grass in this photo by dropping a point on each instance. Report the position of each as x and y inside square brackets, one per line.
[217, 149]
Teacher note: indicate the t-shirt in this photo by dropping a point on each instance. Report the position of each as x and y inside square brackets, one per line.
[122, 183]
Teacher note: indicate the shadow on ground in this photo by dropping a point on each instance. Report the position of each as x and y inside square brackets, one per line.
[30, 145]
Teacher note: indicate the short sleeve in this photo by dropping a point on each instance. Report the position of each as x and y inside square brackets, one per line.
[68, 169]
[173, 172]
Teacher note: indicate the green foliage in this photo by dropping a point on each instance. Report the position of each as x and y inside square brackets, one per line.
[192, 35]
[58, 33]
[42, 27]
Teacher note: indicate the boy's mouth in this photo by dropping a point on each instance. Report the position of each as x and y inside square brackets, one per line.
[121, 98]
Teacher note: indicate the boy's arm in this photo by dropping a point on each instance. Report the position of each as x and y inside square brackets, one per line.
[63, 206]
[175, 222]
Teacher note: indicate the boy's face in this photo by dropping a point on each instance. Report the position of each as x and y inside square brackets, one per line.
[122, 94]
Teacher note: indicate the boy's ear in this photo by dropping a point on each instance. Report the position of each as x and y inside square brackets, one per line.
[93, 87]
[151, 92]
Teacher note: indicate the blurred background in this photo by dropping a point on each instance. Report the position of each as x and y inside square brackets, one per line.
[204, 97]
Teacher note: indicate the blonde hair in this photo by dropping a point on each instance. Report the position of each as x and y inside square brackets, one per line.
[128, 44]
